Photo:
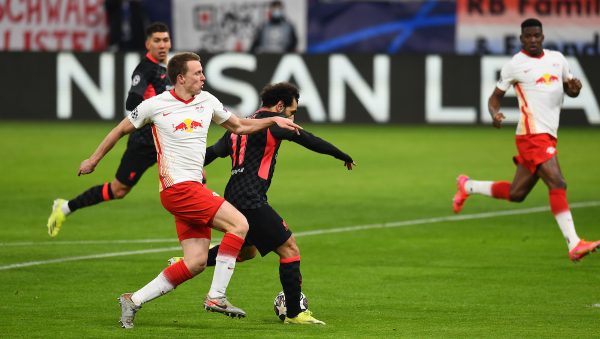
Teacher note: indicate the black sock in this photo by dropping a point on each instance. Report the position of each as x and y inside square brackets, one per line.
[91, 197]
[291, 280]
[212, 256]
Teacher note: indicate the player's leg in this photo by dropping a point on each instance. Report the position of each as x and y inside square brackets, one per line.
[290, 275]
[552, 176]
[230, 221]
[268, 232]
[136, 159]
[194, 250]
[515, 191]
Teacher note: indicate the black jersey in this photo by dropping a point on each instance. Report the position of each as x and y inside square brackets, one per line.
[253, 159]
[148, 79]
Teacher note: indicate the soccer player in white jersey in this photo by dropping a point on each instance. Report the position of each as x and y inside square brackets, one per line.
[180, 119]
[540, 79]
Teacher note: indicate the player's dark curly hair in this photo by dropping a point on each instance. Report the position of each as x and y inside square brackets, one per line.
[531, 22]
[178, 64]
[271, 94]
[156, 27]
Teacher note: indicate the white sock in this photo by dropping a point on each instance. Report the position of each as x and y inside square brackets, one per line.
[154, 289]
[479, 187]
[65, 208]
[223, 271]
[567, 227]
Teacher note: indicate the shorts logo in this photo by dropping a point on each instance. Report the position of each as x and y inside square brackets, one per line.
[215, 194]
[135, 80]
[550, 150]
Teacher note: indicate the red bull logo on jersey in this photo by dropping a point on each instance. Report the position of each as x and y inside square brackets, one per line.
[546, 79]
[188, 125]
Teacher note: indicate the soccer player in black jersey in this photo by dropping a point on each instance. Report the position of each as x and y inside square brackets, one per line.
[148, 79]
[253, 166]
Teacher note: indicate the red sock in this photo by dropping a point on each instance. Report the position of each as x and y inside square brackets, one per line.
[177, 273]
[501, 190]
[230, 245]
[558, 200]
[289, 260]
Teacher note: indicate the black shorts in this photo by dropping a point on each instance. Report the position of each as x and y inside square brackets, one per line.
[134, 162]
[267, 229]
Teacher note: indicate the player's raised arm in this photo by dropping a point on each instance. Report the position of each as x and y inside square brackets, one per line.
[123, 128]
[494, 107]
[249, 126]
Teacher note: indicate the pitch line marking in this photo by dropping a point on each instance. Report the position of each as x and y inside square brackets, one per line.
[484, 215]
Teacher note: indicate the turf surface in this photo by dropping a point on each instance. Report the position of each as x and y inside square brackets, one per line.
[499, 276]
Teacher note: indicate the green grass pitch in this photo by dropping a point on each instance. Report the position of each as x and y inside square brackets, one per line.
[499, 276]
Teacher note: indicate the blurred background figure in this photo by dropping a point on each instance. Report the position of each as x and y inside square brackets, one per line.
[123, 36]
[276, 35]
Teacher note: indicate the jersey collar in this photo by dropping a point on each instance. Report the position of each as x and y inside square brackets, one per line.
[531, 56]
[149, 56]
[178, 98]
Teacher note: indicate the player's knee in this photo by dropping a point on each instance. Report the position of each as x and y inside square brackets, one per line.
[239, 228]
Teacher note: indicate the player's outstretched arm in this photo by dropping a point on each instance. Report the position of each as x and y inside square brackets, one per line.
[572, 87]
[315, 144]
[249, 126]
[123, 128]
[494, 107]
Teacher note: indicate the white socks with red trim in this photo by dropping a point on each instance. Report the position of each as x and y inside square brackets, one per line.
[479, 187]
[154, 289]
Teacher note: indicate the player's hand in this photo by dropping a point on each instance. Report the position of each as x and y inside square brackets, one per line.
[287, 124]
[350, 165]
[573, 86]
[86, 167]
[497, 119]
[203, 176]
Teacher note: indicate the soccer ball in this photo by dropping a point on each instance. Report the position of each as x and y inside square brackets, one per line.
[279, 305]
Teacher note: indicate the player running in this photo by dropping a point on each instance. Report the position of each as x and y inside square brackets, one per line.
[540, 79]
[253, 166]
[181, 152]
[148, 79]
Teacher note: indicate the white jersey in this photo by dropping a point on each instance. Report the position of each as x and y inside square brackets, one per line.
[538, 83]
[179, 128]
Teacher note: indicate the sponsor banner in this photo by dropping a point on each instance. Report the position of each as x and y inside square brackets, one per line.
[228, 25]
[411, 26]
[494, 26]
[334, 88]
[52, 25]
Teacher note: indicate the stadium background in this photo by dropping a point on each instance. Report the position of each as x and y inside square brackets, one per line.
[401, 85]
[358, 61]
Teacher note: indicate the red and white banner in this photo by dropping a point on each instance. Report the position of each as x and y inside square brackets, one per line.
[52, 25]
[494, 26]
[229, 25]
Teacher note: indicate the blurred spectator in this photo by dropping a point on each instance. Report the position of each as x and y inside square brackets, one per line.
[117, 40]
[276, 35]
